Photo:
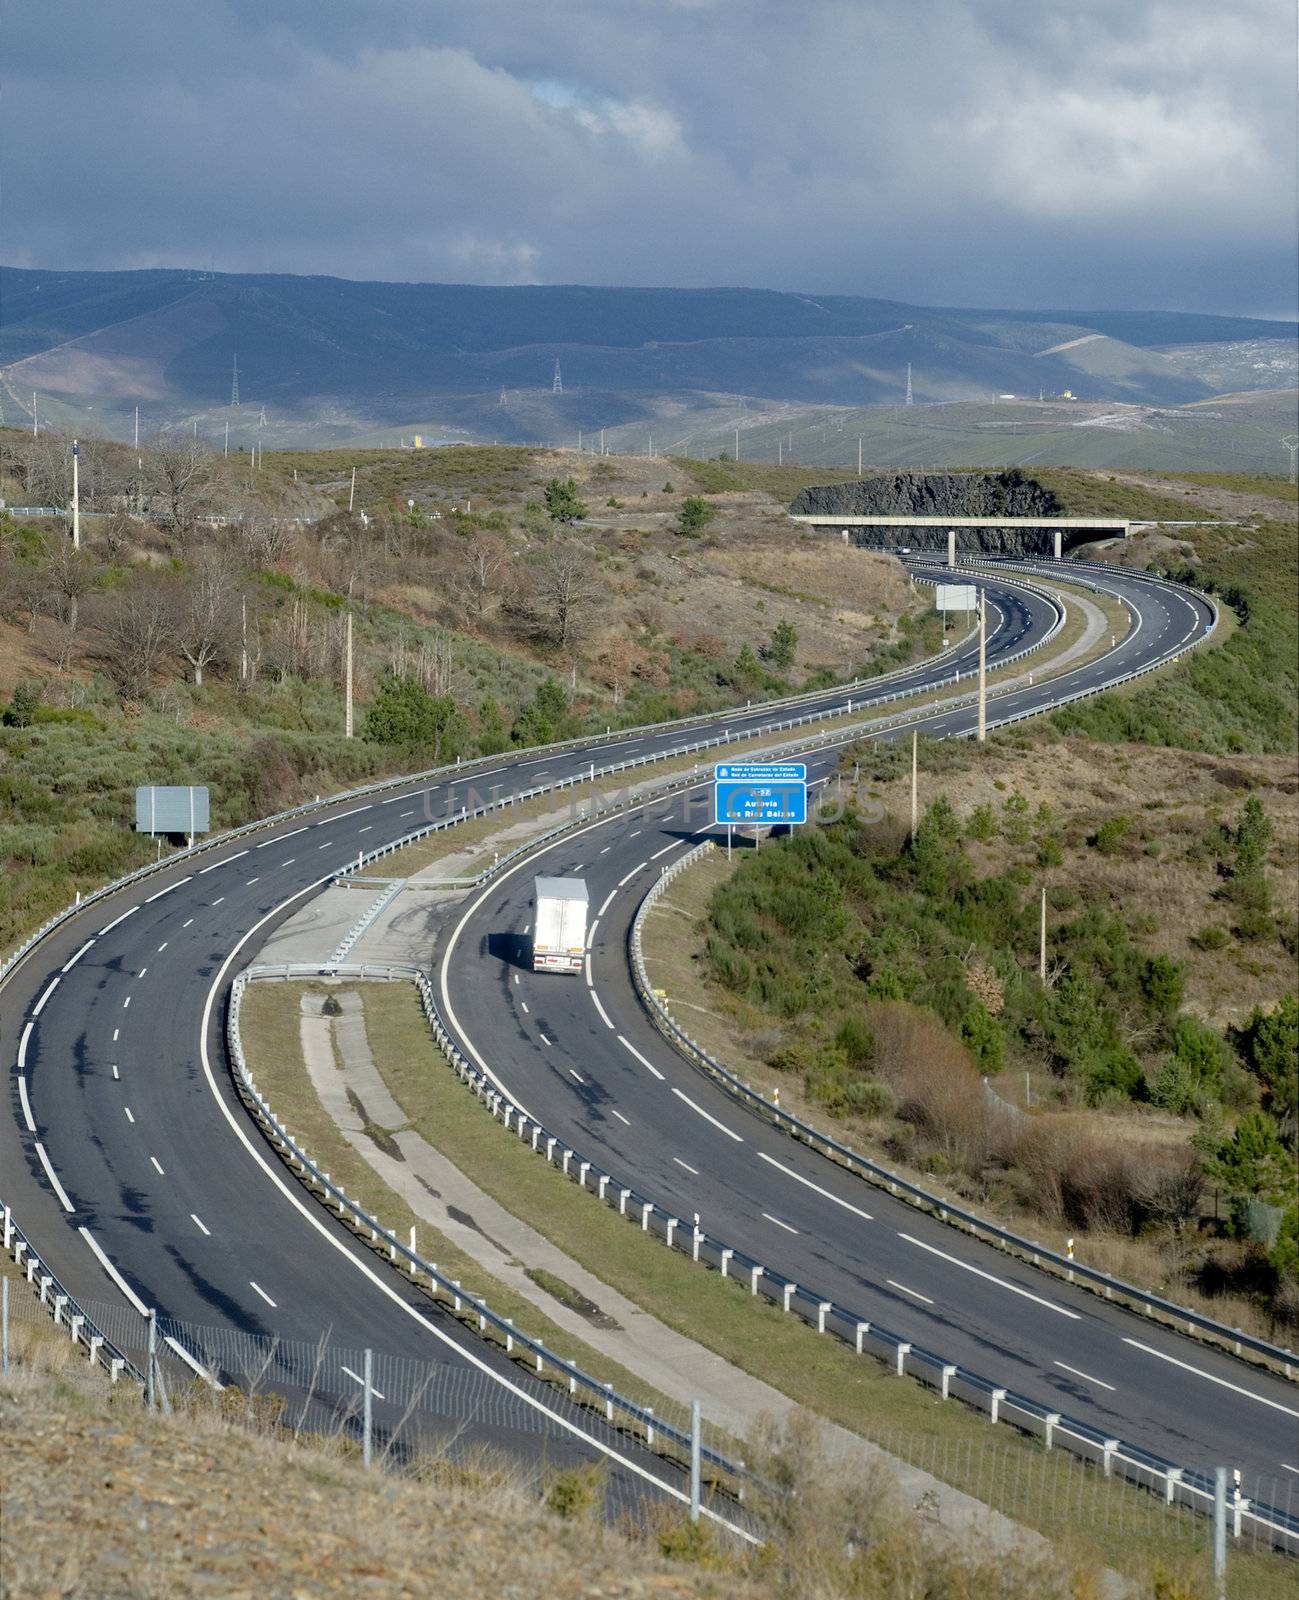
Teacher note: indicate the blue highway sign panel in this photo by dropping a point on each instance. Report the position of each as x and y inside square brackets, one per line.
[748, 792]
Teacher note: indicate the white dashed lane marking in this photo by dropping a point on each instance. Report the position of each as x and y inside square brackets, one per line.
[779, 1223]
[644, 1063]
[1086, 1376]
[1222, 1382]
[991, 1278]
[158, 1166]
[199, 1224]
[694, 1171]
[261, 1292]
[816, 1187]
[626, 1121]
[355, 1377]
[129, 1117]
[914, 1293]
[720, 1126]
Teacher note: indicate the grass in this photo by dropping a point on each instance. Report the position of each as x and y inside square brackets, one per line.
[819, 1373]
[269, 1026]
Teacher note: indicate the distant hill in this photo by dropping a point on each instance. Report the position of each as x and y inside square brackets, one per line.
[329, 358]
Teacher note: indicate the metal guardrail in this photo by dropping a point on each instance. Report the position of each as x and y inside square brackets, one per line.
[1192, 1322]
[462, 769]
[63, 1308]
[1174, 1484]
[546, 1363]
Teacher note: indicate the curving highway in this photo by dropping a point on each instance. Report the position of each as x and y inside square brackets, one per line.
[130, 1162]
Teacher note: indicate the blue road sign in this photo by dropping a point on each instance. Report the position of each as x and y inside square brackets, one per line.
[749, 792]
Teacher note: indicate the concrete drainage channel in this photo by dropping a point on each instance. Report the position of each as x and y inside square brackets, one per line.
[683, 1448]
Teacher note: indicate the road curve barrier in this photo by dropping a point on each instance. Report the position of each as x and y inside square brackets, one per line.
[1274, 1527]
[1281, 1361]
[64, 1311]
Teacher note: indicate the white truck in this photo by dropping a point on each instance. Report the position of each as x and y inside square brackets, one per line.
[558, 925]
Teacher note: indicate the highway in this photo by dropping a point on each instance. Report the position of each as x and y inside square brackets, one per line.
[128, 1152]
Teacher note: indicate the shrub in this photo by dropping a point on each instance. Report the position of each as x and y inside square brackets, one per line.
[1110, 835]
[1117, 1076]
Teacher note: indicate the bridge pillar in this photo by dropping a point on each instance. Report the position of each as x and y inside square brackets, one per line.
[951, 547]
[1057, 541]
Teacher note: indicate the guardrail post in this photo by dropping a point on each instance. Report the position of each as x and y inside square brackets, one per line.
[754, 1274]
[726, 1262]
[60, 1300]
[95, 1344]
[949, 1372]
[75, 1324]
[509, 1336]
[9, 1229]
[863, 1328]
[608, 1404]
[602, 1185]
[673, 1225]
[994, 1407]
[822, 1311]
[1050, 1423]
[789, 1291]
[1107, 1455]
[623, 1196]
[1171, 1480]
[645, 1210]
[904, 1350]
[649, 1427]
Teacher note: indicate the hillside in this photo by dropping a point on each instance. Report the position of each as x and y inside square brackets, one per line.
[331, 359]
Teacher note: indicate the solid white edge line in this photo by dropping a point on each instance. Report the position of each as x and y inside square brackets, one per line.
[1201, 1373]
[816, 1187]
[632, 874]
[191, 1362]
[40, 1004]
[1086, 1376]
[22, 1046]
[149, 899]
[604, 1015]
[608, 901]
[309, 1213]
[627, 1045]
[53, 1177]
[1002, 1283]
[26, 1104]
[116, 921]
[113, 1273]
[72, 961]
[707, 1116]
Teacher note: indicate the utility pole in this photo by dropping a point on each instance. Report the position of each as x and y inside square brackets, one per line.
[1041, 940]
[227, 445]
[915, 783]
[983, 665]
[351, 493]
[601, 441]
[347, 684]
[737, 444]
[243, 638]
[859, 458]
[780, 452]
[909, 399]
[36, 421]
[137, 427]
[76, 497]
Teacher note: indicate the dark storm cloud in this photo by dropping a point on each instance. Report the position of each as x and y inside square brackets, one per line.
[961, 151]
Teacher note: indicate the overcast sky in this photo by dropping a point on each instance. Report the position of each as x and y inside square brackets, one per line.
[1081, 153]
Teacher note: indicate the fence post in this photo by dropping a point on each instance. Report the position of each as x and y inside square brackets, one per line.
[695, 1429]
[367, 1408]
[149, 1393]
[1220, 1533]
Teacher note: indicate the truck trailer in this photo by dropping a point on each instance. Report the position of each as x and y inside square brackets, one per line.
[558, 925]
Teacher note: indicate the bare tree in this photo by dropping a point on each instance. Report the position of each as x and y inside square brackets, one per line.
[481, 572]
[136, 624]
[178, 469]
[69, 575]
[206, 614]
[566, 592]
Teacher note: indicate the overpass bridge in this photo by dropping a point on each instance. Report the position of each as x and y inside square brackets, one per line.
[1066, 532]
